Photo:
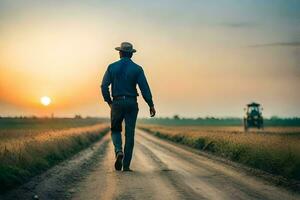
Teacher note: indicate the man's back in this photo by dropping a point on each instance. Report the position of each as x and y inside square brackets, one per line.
[124, 75]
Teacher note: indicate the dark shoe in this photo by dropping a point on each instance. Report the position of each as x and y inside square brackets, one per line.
[126, 169]
[119, 160]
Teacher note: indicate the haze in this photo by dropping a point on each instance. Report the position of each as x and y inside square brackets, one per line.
[202, 58]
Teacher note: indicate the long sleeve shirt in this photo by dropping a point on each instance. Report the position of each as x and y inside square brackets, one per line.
[123, 76]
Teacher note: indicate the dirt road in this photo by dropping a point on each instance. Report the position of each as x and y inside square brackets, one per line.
[166, 171]
[162, 170]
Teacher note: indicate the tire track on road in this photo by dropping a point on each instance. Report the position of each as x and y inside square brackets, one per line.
[171, 177]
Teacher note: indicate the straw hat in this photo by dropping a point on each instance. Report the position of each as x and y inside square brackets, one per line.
[126, 47]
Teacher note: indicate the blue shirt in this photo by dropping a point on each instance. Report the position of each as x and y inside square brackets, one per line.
[123, 76]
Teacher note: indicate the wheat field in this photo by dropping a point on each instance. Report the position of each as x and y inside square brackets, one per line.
[28, 151]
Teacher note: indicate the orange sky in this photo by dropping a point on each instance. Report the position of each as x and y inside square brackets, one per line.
[200, 59]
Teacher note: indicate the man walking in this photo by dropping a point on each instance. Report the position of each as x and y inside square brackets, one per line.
[123, 76]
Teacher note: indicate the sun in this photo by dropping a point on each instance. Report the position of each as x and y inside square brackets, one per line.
[45, 100]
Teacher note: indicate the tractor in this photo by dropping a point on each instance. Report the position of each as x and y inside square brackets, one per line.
[253, 117]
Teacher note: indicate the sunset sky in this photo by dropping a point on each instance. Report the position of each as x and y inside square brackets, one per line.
[202, 58]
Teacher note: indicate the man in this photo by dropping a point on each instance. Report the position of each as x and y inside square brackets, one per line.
[123, 76]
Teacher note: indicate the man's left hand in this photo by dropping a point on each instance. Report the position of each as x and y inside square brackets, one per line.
[152, 111]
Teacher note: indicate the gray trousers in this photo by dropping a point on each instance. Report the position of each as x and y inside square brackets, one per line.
[127, 110]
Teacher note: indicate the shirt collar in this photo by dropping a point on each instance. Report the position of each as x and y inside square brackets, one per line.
[125, 58]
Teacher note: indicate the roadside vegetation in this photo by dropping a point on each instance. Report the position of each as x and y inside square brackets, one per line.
[275, 150]
[28, 151]
[176, 120]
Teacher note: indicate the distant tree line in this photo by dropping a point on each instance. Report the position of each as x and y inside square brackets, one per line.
[214, 121]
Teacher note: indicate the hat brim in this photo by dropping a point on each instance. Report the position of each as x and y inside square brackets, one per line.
[119, 49]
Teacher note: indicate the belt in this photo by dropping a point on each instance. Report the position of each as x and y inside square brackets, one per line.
[124, 97]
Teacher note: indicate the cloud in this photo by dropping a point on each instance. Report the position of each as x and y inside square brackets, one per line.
[277, 44]
[237, 24]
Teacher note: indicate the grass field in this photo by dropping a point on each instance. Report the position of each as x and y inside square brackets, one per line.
[274, 150]
[38, 124]
[30, 146]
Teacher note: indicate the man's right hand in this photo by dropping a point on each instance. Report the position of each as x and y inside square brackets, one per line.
[152, 111]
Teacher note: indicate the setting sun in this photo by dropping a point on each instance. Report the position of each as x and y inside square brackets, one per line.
[45, 100]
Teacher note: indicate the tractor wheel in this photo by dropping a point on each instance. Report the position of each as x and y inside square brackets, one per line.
[262, 126]
[245, 125]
